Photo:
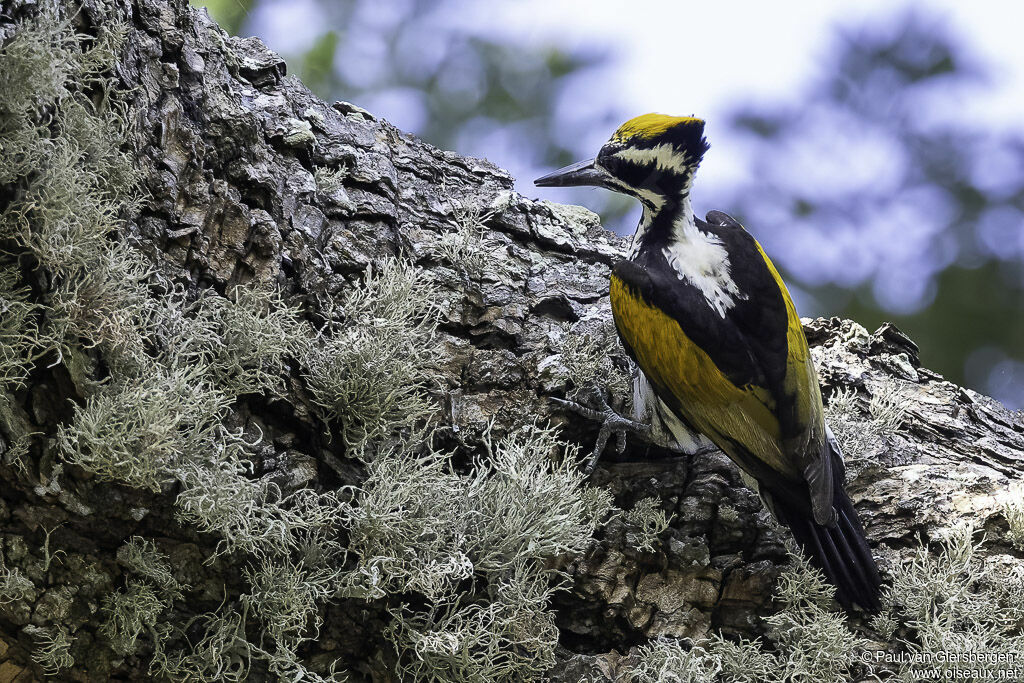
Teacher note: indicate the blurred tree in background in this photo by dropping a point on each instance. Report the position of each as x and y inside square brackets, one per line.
[881, 197]
[873, 189]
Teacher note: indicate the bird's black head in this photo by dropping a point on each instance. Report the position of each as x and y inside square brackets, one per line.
[651, 157]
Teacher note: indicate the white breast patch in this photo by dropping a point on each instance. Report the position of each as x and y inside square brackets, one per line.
[702, 260]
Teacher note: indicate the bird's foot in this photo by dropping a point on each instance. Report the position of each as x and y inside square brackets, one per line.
[611, 423]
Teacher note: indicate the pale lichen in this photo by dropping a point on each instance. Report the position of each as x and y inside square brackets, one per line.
[468, 247]
[1013, 511]
[592, 358]
[220, 653]
[805, 642]
[416, 525]
[858, 434]
[371, 372]
[286, 596]
[129, 612]
[957, 600]
[648, 520]
[142, 557]
[526, 501]
[144, 431]
[510, 636]
[250, 515]
[21, 341]
[665, 659]
[14, 586]
[53, 648]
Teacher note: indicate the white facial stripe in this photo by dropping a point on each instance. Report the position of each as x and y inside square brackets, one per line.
[664, 156]
[650, 198]
[702, 260]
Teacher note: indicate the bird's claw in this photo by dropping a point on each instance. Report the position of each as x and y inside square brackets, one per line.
[611, 423]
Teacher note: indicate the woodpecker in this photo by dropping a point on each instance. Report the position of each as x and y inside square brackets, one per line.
[703, 312]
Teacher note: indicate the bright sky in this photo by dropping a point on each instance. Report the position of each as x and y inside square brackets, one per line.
[702, 58]
[716, 51]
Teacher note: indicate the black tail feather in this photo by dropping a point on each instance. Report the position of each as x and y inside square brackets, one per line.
[860, 556]
[841, 565]
[841, 552]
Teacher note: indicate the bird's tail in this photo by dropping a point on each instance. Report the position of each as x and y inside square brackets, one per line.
[841, 551]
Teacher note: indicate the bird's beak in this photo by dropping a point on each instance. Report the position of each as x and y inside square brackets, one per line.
[581, 173]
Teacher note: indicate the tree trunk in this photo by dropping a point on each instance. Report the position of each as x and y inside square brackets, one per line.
[250, 180]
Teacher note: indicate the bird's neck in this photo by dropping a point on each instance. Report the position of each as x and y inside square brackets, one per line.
[670, 223]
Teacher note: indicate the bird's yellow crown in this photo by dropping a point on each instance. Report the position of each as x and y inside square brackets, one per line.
[647, 126]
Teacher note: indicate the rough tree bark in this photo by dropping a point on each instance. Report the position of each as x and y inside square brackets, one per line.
[229, 147]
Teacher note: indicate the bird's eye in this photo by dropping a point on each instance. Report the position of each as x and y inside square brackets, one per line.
[608, 162]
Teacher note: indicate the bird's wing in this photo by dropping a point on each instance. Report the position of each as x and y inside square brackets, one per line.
[745, 379]
[737, 416]
[798, 402]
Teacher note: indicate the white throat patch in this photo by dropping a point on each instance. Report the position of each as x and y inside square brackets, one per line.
[701, 259]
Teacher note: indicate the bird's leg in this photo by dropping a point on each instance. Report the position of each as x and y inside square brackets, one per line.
[611, 422]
